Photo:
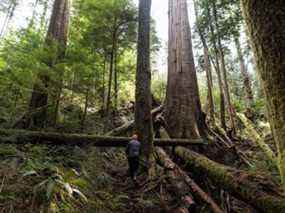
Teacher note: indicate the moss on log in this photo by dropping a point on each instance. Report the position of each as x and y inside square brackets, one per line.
[252, 133]
[251, 188]
[24, 136]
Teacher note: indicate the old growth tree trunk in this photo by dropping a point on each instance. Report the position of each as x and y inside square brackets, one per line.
[266, 27]
[143, 106]
[183, 108]
[57, 33]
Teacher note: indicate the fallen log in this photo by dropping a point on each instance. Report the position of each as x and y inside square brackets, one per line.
[177, 175]
[253, 134]
[250, 188]
[130, 125]
[24, 136]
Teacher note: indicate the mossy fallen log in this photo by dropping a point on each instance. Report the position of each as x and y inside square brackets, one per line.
[253, 189]
[253, 134]
[24, 136]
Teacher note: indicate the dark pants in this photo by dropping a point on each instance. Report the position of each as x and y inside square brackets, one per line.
[133, 166]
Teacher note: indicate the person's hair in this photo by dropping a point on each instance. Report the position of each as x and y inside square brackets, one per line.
[135, 135]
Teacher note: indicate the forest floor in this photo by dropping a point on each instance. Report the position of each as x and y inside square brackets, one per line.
[34, 178]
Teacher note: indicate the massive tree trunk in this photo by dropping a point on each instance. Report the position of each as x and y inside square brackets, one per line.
[245, 75]
[143, 106]
[183, 112]
[266, 27]
[57, 33]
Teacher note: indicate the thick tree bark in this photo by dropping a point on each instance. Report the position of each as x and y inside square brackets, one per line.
[266, 27]
[183, 112]
[245, 75]
[57, 33]
[251, 188]
[23, 136]
[143, 106]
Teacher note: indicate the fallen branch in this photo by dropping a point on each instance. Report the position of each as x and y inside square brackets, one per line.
[24, 136]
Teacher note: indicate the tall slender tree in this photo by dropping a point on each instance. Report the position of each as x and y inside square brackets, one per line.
[143, 118]
[183, 112]
[223, 67]
[206, 66]
[266, 28]
[245, 76]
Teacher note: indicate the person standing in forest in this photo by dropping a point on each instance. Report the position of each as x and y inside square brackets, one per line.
[133, 151]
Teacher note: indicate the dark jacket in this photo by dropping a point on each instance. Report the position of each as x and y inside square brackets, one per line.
[133, 148]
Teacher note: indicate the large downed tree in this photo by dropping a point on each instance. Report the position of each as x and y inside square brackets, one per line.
[251, 188]
[34, 137]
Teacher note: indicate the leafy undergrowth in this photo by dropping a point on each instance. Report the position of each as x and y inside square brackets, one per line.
[56, 179]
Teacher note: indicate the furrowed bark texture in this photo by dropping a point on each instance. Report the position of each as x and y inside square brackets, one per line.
[183, 108]
[143, 106]
[266, 27]
[248, 187]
